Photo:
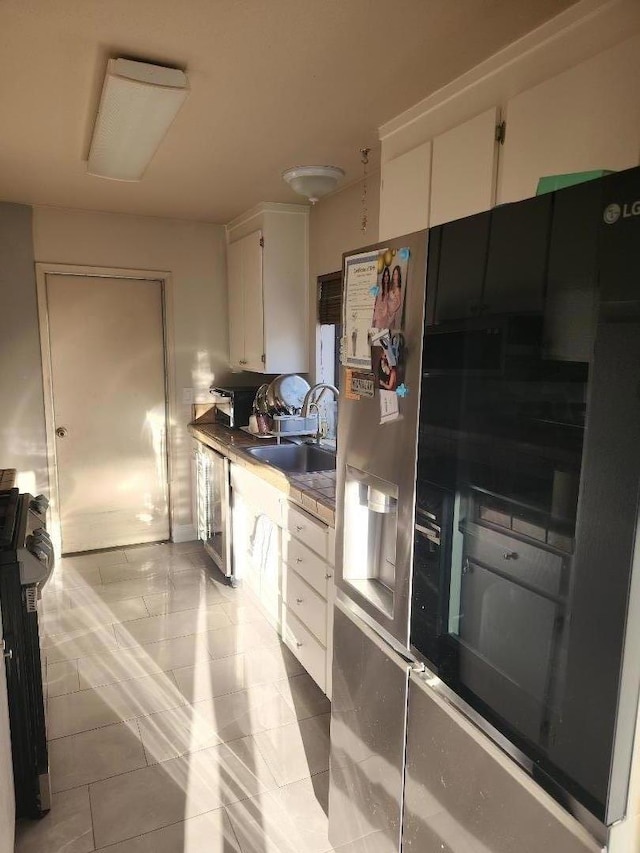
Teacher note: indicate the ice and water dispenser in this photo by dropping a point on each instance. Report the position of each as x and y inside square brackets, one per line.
[370, 534]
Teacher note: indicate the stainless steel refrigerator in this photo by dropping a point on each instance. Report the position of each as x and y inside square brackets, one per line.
[409, 771]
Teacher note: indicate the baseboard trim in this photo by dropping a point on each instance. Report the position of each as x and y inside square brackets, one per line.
[183, 533]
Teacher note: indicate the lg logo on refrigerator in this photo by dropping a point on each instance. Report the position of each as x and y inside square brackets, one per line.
[613, 212]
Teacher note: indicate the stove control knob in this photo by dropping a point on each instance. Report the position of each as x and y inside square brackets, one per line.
[37, 547]
[40, 504]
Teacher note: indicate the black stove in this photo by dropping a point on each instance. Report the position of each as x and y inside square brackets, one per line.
[26, 562]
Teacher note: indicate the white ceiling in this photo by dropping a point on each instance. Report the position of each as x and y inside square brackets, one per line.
[274, 83]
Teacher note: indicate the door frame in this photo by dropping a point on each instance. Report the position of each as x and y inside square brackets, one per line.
[44, 269]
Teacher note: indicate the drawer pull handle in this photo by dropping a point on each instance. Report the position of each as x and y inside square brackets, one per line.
[329, 575]
[510, 555]
[298, 644]
[299, 527]
[299, 600]
[298, 559]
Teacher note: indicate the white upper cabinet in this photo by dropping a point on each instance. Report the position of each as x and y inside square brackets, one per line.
[267, 272]
[404, 192]
[585, 118]
[246, 329]
[463, 171]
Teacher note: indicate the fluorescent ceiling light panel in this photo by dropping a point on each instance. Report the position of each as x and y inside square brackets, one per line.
[139, 101]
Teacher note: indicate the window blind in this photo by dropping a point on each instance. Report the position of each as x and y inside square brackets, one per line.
[330, 299]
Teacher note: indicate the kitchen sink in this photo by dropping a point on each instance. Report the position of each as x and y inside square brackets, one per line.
[295, 458]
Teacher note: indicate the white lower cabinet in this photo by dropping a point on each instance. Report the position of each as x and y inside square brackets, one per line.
[256, 536]
[284, 557]
[307, 614]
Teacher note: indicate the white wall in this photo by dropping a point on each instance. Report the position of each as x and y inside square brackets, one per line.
[22, 438]
[194, 254]
[335, 227]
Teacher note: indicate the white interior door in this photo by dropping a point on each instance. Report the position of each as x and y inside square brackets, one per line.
[109, 400]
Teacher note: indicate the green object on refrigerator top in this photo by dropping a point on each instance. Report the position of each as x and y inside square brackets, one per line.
[550, 183]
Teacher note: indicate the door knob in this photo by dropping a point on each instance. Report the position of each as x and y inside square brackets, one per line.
[61, 432]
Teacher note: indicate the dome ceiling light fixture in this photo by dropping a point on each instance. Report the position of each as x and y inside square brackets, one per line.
[313, 181]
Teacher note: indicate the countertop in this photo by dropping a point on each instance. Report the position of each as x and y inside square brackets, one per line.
[315, 493]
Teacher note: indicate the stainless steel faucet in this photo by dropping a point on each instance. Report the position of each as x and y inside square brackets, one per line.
[311, 401]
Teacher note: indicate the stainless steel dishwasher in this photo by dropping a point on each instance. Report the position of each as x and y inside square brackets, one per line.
[213, 494]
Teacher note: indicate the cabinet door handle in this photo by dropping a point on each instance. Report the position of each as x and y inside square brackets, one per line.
[299, 527]
[329, 575]
[299, 600]
[510, 555]
[298, 559]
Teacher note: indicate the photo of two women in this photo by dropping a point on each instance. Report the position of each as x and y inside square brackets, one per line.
[387, 309]
[389, 301]
[388, 314]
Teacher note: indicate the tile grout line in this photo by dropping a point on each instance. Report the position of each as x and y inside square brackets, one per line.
[233, 829]
[159, 764]
[220, 808]
[138, 644]
[93, 830]
[125, 720]
[144, 748]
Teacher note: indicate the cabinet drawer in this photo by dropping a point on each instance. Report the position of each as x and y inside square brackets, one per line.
[533, 566]
[307, 564]
[307, 605]
[311, 531]
[311, 654]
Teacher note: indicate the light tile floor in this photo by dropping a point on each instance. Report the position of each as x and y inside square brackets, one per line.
[178, 722]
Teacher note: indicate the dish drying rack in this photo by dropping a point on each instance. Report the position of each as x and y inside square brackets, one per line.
[288, 426]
